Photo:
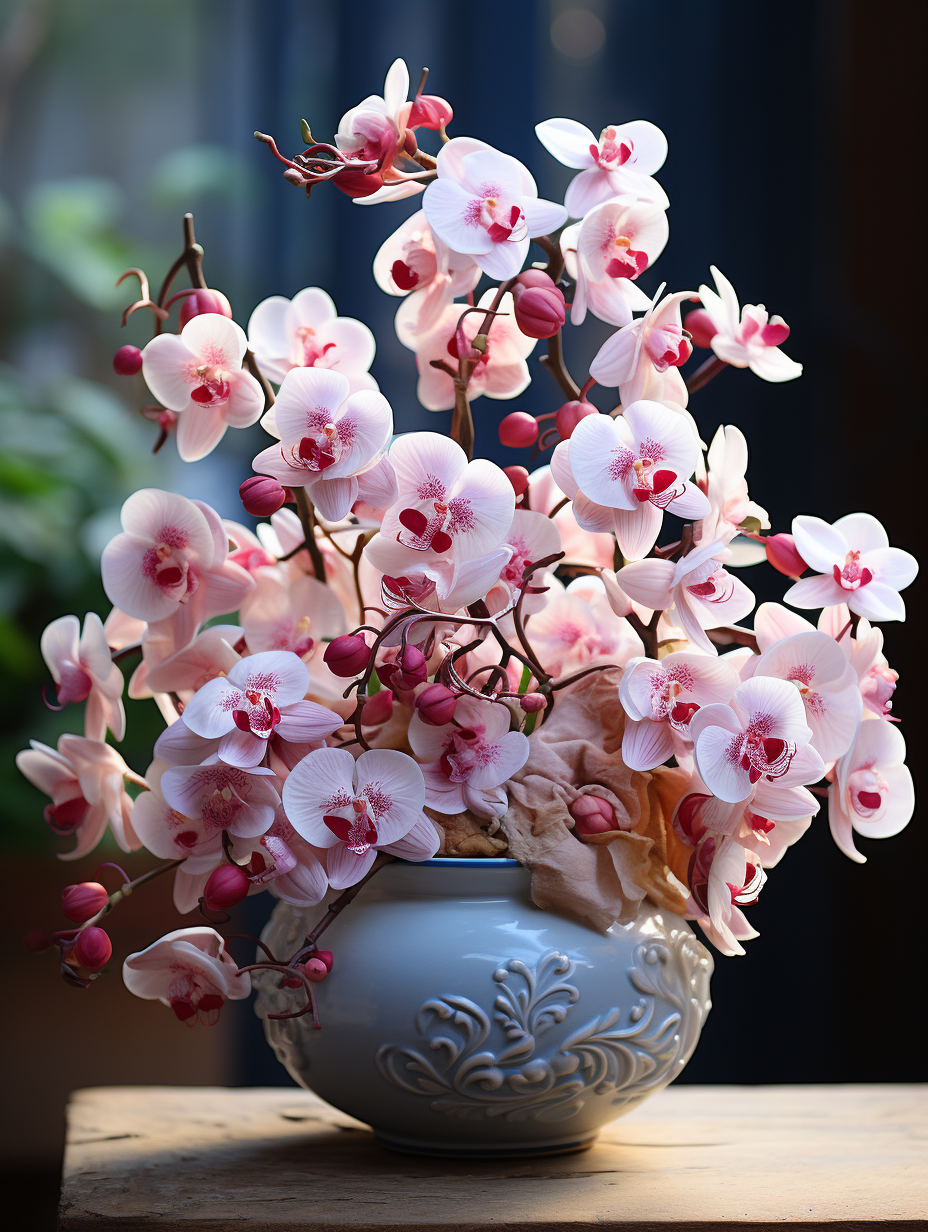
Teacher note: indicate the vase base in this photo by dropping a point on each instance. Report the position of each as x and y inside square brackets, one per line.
[482, 1150]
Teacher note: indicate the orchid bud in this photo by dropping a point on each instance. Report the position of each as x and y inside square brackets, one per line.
[347, 655]
[532, 703]
[80, 902]
[700, 327]
[355, 183]
[429, 111]
[518, 477]
[570, 414]
[93, 948]
[518, 430]
[315, 969]
[782, 554]
[227, 886]
[538, 306]
[127, 361]
[202, 300]
[409, 669]
[592, 815]
[325, 956]
[262, 496]
[377, 709]
[436, 704]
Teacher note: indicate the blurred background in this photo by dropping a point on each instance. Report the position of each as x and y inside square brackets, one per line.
[793, 166]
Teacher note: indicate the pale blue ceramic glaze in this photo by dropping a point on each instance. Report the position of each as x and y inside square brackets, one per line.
[459, 1018]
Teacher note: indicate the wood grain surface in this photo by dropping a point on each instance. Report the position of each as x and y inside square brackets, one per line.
[191, 1158]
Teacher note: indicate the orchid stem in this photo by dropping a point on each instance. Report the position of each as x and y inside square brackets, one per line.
[307, 514]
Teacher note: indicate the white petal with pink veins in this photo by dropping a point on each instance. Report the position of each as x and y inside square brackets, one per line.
[167, 367]
[691, 504]
[772, 622]
[246, 401]
[718, 768]
[333, 497]
[637, 529]
[646, 744]
[315, 785]
[418, 457]
[501, 757]
[123, 567]
[420, 843]
[393, 785]
[595, 449]
[365, 426]
[503, 260]
[215, 340]
[779, 702]
[307, 722]
[149, 512]
[345, 867]
[304, 393]
[199, 431]
[209, 713]
[543, 216]
[568, 141]
[279, 674]
[448, 207]
[649, 582]
[268, 336]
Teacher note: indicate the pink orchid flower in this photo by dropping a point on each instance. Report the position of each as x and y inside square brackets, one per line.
[643, 358]
[82, 668]
[702, 592]
[500, 371]
[375, 129]
[760, 733]
[580, 547]
[412, 262]
[748, 337]
[826, 682]
[86, 782]
[855, 565]
[770, 821]
[724, 877]
[198, 373]
[468, 761]
[306, 332]
[189, 971]
[531, 537]
[634, 467]
[296, 616]
[727, 489]
[577, 628]
[357, 808]
[328, 438]
[485, 204]
[284, 863]
[872, 790]
[169, 566]
[214, 797]
[262, 696]
[619, 164]
[660, 698]
[606, 252]
[446, 506]
[212, 653]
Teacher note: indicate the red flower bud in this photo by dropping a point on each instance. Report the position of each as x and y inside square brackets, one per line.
[429, 111]
[262, 496]
[518, 430]
[347, 655]
[227, 885]
[408, 670]
[592, 815]
[534, 278]
[539, 307]
[325, 956]
[93, 948]
[570, 414]
[356, 184]
[203, 300]
[315, 969]
[782, 554]
[700, 326]
[127, 361]
[436, 704]
[80, 902]
[531, 703]
[377, 709]
[518, 477]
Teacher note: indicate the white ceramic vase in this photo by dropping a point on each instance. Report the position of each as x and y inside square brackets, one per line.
[460, 1019]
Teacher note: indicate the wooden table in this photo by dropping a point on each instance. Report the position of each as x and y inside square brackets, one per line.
[193, 1158]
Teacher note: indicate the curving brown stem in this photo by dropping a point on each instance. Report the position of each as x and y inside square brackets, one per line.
[554, 362]
[338, 906]
[192, 257]
[647, 632]
[307, 515]
[462, 419]
[704, 374]
[252, 365]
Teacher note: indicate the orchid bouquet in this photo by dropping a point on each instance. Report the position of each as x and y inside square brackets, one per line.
[436, 655]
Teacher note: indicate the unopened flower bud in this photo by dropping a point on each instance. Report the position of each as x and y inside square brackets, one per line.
[315, 969]
[782, 554]
[518, 477]
[201, 300]
[592, 815]
[436, 704]
[93, 948]
[347, 655]
[531, 703]
[356, 183]
[409, 669]
[262, 496]
[429, 111]
[377, 709]
[227, 885]
[570, 414]
[325, 956]
[518, 430]
[699, 324]
[127, 361]
[538, 305]
[80, 902]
